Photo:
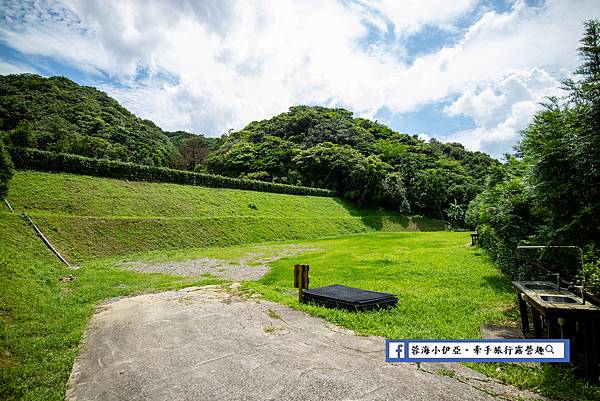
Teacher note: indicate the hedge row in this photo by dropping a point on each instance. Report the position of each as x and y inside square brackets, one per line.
[33, 159]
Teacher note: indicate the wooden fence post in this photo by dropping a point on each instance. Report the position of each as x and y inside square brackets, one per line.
[301, 280]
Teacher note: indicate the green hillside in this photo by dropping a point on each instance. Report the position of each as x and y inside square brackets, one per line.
[96, 217]
[59, 115]
[362, 160]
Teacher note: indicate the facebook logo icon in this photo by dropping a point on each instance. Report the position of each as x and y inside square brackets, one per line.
[395, 351]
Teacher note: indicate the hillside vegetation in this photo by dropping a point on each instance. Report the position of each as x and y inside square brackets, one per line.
[551, 194]
[59, 115]
[94, 217]
[41, 160]
[363, 160]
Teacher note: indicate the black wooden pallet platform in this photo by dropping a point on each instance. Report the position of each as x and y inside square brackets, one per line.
[350, 298]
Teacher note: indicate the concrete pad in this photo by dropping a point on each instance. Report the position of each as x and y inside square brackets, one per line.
[211, 344]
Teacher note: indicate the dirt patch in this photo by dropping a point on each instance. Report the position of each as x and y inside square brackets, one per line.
[252, 266]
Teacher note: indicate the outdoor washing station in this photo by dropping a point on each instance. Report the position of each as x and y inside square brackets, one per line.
[552, 312]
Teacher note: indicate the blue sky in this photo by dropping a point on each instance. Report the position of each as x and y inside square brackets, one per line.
[467, 71]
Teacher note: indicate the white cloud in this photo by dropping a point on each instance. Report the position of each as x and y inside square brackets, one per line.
[502, 109]
[14, 68]
[424, 137]
[409, 16]
[237, 61]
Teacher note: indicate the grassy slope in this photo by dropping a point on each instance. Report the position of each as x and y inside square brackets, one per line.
[42, 319]
[91, 217]
[446, 289]
[50, 192]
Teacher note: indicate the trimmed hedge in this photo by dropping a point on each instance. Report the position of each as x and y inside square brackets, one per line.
[33, 159]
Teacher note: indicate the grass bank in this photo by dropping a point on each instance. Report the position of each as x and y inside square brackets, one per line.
[88, 217]
[83, 195]
[42, 319]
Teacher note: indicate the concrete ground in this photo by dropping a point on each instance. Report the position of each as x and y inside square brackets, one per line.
[209, 343]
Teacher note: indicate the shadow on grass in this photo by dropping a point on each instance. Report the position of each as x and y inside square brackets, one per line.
[498, 283]
[378, 218]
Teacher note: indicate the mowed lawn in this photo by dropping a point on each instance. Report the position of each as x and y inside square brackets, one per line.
[445, 289]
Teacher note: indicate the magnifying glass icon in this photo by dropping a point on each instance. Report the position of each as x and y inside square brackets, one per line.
[549, 349]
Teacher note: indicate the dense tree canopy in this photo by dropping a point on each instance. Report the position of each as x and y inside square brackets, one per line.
[315, 146]
[361, 159]
[551, 195]
[59, 115]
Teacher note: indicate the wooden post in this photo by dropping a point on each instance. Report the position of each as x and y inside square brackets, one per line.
[301, 280]
[537, 323]
[474, 238]
[553, 326]
[524, 314]
[590, 362]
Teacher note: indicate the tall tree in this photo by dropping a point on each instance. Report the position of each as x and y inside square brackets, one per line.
[557, 199]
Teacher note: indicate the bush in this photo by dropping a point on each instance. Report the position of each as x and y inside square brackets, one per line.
[33, 159]
[591, 277]
[6, 170]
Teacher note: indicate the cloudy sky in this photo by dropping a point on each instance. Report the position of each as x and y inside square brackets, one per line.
[461, 70]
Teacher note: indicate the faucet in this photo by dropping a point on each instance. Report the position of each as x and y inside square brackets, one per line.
[557, 279]
[582, 289]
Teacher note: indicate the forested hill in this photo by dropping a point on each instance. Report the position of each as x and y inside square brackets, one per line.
[310, 145]
[361, 159]
[59, 115]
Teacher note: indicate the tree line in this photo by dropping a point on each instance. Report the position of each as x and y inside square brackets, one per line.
[548, 193]
[363, 160]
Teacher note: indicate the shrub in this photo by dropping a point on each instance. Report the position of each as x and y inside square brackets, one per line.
[591, 276]
[33, 159]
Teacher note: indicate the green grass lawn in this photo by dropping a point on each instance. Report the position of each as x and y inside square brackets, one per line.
[80, 195]
[445, 289]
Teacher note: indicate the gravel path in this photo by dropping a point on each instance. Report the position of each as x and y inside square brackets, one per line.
[250, 267]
